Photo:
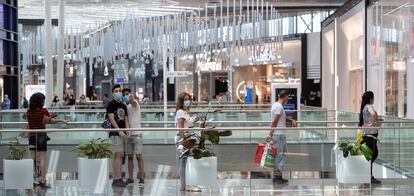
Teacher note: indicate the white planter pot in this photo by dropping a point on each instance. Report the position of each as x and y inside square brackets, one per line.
[201, 172]
[353, 169]
[93, 174]
[18, 174]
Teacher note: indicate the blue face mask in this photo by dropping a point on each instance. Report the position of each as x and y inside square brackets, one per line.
[118, 96]
[187, 103]
[126, 99]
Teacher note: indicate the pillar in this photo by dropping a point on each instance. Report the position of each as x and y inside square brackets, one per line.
[164, 73]
[61, 44]
[48, 53]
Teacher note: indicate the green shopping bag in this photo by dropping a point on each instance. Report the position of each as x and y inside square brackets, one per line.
[268, 157]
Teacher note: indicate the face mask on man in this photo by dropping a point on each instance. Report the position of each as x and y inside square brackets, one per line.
[187, 104]
[118, 96]
[125, 98]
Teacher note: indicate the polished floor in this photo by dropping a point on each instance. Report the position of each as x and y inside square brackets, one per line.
[255, 187]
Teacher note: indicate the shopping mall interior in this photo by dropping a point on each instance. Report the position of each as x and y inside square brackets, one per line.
[206, 97]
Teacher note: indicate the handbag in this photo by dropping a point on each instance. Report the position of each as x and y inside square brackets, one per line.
[265, 155]
[106, 124]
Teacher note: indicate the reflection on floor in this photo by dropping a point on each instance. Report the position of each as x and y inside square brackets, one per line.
[257, 187]
[239, 183]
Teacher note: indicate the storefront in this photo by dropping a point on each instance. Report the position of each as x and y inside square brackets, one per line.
[368, 46]
[256, 78]
[343, 58]
[9, 58]
[390, 49]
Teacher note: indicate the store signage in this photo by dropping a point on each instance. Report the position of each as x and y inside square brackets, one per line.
[209, 66]
[32, 89]
[121, 80]
[179, 74]
[265, 55]
[398, 65]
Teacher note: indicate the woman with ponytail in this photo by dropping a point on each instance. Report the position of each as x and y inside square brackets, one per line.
[368, 118]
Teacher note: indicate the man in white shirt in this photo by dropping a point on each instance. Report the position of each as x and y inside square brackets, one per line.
[134, 144]
[278, 137]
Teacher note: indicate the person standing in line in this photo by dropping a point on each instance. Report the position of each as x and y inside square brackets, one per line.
[368, 117]
[278, 137]
[55, 102]
[134, 144]
[117, 114]
[82, 100]
[6, 103]
[37, 118]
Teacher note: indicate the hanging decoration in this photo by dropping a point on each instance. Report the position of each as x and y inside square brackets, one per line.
[213, 32]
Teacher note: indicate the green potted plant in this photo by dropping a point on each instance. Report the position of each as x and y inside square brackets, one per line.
[353, 163]
[18, 171]
[93, 165]
[201, 166]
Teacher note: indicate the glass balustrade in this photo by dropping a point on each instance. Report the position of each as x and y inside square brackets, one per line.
[310, 164]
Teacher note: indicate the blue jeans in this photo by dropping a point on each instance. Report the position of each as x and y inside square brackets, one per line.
[279, 142]
[181, 163]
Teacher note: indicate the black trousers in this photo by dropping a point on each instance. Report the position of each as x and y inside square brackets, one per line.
[372, 144]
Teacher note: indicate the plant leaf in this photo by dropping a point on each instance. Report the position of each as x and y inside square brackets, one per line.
[366, 151]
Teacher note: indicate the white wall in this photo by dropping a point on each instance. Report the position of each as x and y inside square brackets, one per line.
[328, 70]
[350, 82]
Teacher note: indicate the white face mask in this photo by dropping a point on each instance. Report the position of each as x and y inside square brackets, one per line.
[187, 103]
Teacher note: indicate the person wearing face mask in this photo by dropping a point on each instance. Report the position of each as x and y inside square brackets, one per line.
[368, 117]
[134, 145]
[117, 114]
[278, 137]
[55, 102]
[183, 120]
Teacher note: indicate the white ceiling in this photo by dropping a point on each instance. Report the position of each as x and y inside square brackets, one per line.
[81, 13]
[86, 12]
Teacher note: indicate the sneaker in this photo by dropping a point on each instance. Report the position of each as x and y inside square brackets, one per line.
[279, 180]
[119, 183]
[141, 182]
[130, 181]
[375, 181]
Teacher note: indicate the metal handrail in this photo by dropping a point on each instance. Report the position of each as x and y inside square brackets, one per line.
[205, 129]
[223, 122]
[154, 110]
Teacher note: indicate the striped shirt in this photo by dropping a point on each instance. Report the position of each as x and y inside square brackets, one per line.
[35, 118]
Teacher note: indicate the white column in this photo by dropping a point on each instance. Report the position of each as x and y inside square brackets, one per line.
[230, 82]
[164, 73]
[48, 53]
[61, 44]
[400, 94]
[410, 88]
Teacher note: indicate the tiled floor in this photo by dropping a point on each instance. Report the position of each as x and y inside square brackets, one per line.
[244, 187]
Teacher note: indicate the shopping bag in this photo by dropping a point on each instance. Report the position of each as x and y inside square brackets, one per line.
[264, 156]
